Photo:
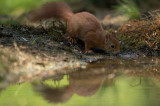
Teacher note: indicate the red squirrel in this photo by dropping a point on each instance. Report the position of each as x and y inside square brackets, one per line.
[82, 25]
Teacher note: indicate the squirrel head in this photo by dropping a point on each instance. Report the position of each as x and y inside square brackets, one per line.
[112, 44]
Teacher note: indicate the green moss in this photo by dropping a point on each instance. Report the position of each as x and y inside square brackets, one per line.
[56, 29]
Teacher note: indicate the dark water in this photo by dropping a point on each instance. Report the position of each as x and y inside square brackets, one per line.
[110, 82]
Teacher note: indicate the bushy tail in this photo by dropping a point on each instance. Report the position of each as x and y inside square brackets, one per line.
[57, 10]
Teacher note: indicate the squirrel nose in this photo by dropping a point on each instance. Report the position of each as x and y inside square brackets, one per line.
[112, 46]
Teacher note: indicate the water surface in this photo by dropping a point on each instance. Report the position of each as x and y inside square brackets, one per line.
[109, 82]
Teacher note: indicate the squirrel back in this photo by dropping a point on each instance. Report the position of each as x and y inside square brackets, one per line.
[59, 10]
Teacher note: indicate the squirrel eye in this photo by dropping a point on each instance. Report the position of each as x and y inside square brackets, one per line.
[112, 46]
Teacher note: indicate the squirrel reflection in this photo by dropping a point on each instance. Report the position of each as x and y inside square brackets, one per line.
[88, 81]
[82, 83]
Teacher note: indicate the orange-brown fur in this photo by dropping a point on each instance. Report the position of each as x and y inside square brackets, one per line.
[83, 26]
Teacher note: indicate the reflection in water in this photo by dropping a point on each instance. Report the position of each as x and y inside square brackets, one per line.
[82, 83]
[86, 82]
[110, 82]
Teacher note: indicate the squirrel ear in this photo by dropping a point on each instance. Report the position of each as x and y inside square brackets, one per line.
[113, 34]
[107, 37]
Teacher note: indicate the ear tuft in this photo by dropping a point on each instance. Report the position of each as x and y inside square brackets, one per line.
[107, 37]
[113, 34]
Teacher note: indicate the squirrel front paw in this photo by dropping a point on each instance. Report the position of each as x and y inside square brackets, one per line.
[89, 52]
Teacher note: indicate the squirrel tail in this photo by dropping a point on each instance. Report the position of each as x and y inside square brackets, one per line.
[59, 10]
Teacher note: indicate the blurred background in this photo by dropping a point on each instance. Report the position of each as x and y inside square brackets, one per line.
[17, 7]
[108, 12]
